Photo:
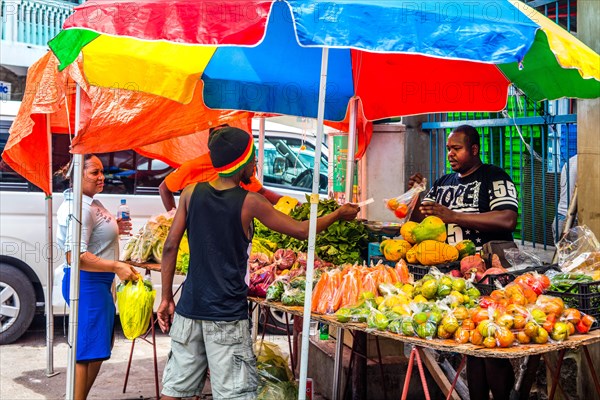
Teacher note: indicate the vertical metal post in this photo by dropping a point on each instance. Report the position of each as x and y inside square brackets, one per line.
[312, 228]
[338, 362]
[50, 265]
[75, 258]
[261, 149]
[351, 152]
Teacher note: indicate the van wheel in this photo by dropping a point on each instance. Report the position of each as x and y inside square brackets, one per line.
[276, 321]
[17, 303]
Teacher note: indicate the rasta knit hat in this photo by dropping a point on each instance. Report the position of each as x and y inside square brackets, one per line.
[231, 149]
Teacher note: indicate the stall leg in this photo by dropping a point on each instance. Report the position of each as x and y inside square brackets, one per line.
[592, 369]
[415, 354]
[155, 358]
[289, 339]
[152, 331]
[381, 367]
[460, 368]
[338, 361]
[555, 379]
[128, 365]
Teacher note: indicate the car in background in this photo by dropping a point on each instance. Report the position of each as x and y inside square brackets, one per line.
[289, 160]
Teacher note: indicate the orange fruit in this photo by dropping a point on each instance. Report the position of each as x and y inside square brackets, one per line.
[392, 204]
[523, 338]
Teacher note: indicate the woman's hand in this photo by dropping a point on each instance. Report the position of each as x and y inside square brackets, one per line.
[124, 226]
[126, 272]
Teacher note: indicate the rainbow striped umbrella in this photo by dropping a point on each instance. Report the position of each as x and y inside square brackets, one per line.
[309, 59]
[397, 57]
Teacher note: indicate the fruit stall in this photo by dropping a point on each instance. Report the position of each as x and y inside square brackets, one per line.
[414, 288]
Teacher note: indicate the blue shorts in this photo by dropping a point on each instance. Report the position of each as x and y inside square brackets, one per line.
[96, 314]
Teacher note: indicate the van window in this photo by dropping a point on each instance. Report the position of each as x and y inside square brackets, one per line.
[289, 163]
[125, 172]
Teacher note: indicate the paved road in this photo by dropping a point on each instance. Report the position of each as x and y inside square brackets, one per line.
[23, 367]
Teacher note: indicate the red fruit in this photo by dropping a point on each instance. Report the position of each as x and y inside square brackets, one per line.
[588, 320]
[401, 210]
[581, 327]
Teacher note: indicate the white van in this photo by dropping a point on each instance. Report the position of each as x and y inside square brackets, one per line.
[289, 154]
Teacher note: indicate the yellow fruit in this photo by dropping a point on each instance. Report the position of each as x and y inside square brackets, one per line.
[431, 252]
[429, 289]
[411, 256]
[395, 249]
[286, 204]
[420, 299]
[383, 244]
[431, 228]
[406, 231]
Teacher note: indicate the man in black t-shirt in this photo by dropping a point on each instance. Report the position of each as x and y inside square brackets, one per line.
[477, 202]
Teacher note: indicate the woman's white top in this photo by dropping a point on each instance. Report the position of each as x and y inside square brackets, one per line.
[99, 229]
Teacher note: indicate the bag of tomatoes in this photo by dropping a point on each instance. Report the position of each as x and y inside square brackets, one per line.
[403, 205]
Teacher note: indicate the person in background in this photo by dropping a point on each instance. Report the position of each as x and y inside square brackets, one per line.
[210, 328]
[98, 257]
[477, 202]
[568, 180]
[189, 173]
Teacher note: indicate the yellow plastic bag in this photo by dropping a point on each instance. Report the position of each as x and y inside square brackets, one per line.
[135, 301]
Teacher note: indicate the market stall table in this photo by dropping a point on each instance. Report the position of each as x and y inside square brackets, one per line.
[448, 345]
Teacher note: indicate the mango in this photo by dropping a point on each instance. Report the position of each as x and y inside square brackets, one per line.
[465, 248]
[431, 228]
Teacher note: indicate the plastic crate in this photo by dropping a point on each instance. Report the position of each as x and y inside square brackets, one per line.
[373, 251]
[419, 271]
[586, 300]
[508, 277]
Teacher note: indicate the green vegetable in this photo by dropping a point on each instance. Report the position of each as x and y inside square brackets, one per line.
[568, 282]
[343, 242]
[274, 291]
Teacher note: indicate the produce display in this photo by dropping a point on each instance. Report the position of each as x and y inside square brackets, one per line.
[343, 242]
[147, 245]
[441, 306]
[425, 244]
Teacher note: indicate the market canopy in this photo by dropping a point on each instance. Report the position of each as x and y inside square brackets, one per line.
[398, 58]
[113, 120]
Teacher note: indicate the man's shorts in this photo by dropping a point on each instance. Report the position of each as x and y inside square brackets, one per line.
[224, 347]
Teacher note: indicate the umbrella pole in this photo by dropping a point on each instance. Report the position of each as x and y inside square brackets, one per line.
[259, 173]
[50, 271]
[312, 229]
[351, 152]
[75, 246]
[261, 148]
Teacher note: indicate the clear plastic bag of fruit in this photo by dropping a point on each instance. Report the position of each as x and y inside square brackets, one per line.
[403, 205]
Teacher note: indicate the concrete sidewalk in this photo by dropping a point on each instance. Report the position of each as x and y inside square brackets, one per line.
[23, 367]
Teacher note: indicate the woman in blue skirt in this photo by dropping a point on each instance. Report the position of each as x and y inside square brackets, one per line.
[98, 265]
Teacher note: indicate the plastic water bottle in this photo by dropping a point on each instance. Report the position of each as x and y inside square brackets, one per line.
[323, 331]
[124, 215]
